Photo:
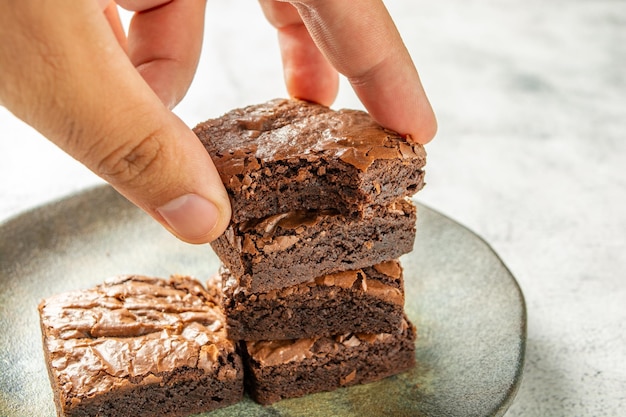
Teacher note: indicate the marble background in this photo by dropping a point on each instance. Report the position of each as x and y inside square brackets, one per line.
[531, 101]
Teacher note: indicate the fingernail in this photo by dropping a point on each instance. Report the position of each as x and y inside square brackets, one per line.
[190, 216]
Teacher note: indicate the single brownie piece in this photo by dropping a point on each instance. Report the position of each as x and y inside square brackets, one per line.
[139, 346]
[365, 300]
[280, 369]
[287, 155]
[295, 247]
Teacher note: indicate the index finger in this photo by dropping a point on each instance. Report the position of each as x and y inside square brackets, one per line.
[362, 42]
[164, 43]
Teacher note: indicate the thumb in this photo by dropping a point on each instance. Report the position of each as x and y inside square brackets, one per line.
[64, 74]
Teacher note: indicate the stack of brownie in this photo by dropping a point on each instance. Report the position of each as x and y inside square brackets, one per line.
[310, 296]
[311, 282]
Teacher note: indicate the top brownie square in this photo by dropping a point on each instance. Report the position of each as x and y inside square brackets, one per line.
[288, 154]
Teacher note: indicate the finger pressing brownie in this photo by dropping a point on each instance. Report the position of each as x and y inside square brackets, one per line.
[295, 247]
[288, 154]
[368, 300]
[280, 369]
[139, 346]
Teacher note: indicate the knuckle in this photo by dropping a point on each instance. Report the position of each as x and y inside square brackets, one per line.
[133, 162]
[367, 73]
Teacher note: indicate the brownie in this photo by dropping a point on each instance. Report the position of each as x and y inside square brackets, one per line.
[295, 247]
[280, 369]
[287, 154]
[139, 346]
[365, 300]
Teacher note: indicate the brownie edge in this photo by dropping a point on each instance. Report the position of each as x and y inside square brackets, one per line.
[288, 154]
[295, 247]
[281, 369]
[368, 300]
[139, 346]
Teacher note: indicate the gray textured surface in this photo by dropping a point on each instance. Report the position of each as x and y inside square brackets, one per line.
[531, 100]
[466, 305]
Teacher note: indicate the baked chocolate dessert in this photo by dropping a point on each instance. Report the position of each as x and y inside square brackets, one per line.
[138, 346]
[368, 300]
[288, 154]
[295, 247]
[280, 369]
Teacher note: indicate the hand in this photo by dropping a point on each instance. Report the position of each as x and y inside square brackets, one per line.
[358, 39]
[67, 69]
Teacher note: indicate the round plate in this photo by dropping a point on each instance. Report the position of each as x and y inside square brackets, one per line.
[466, 305]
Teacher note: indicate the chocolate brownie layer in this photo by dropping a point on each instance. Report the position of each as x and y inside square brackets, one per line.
[366, 300]
[292, 368]
[138, 346]
[287, 155]
[291, 248]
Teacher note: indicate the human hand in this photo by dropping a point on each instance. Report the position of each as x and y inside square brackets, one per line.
[68, 70]
[358, 39]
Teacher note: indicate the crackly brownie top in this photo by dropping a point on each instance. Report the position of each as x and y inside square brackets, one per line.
[131, 328]
[279, 232]
[389, 292]
[279, 352]
[245, 139]
[297, 221]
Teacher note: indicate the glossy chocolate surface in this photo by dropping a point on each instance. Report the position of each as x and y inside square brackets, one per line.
[131, 328]
[278, 352]
[287, 129]
[345, 279]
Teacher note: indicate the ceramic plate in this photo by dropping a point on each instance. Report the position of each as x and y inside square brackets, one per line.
[466, 305]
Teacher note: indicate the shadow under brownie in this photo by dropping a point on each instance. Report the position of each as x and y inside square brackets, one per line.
[139, 346]
[368, 300]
